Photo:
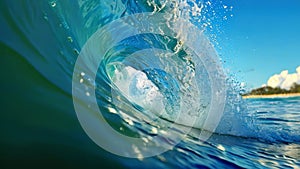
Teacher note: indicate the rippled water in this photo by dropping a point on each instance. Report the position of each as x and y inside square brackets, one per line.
[138, 96]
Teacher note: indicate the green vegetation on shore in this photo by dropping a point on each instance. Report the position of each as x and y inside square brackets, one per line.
[267, 90]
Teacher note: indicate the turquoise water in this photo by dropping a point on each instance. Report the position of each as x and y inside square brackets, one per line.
[40, 43]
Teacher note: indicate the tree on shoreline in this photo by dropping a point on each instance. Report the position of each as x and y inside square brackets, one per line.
[267, 90]
[295, 88]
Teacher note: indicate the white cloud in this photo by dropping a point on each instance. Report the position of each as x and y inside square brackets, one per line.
[289, 81]
[298, 70]
[284, 80]
[277, 79]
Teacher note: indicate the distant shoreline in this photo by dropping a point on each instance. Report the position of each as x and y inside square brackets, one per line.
[271, 96]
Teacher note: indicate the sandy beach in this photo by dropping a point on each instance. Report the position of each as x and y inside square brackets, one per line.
[272, 96]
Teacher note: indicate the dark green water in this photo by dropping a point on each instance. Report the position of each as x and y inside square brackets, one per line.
[39, 127]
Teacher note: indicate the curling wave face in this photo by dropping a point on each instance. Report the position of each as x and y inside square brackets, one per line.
[162, 64]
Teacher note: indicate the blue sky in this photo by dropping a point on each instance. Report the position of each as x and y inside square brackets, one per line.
[262, 38]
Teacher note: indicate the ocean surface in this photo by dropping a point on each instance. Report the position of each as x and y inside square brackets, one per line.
[139, 97]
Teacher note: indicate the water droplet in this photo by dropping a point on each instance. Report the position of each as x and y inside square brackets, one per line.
[53, 4]
[46, 17]
[76, 51]
[70, 39]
